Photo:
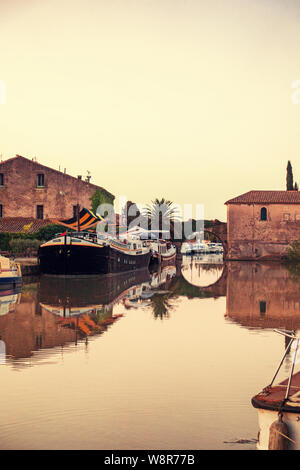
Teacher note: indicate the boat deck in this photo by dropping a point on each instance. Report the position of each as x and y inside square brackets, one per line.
[271, 397]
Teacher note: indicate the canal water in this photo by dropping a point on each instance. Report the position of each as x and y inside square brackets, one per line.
[168, 360]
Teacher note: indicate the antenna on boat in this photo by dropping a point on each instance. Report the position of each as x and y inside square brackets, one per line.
[78, 217]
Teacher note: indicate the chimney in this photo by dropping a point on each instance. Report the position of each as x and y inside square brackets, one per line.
[65, 170]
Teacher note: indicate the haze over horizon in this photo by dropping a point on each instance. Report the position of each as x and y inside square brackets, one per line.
[184, 99]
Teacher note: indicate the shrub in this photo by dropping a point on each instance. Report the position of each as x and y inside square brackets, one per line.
[45, 233]
[293, 252]
[48, 232]
[27, 247]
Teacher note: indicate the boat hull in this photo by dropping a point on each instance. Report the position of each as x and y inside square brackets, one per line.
[85, 259]
[267, 417]
[163, 260]
[10, 282]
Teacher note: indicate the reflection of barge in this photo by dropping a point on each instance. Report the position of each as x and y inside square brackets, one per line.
[98, 290]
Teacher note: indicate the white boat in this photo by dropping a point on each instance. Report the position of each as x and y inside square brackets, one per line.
[10, 274]
[162, 251]
[186, 248]
[214, 247]
[279, 407]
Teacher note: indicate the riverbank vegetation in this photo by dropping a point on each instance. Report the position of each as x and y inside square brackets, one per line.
[10, 241]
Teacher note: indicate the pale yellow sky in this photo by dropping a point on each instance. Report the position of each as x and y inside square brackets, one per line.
[184, 99]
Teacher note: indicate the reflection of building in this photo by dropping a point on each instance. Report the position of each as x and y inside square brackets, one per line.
[30, 327]
[58, 311]
[262, 296]
[261, 224]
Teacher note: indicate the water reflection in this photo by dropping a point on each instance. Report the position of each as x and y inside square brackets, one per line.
[57, 311]
[262, 296]
[188, 301]
[202, 270]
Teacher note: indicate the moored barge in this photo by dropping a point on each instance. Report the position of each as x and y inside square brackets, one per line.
[83, 253]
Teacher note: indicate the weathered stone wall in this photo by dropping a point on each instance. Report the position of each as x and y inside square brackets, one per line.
[249, 237]
[20, 195]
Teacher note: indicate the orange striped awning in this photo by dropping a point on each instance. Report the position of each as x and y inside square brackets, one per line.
[87, 219]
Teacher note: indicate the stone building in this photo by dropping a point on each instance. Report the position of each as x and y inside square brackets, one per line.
[261, 224]
[32, 194]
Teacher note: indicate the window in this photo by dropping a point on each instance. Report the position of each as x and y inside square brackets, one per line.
[1, 210]
[262, 307]
[297, 217]
[40, 212]
[38, 341]
[286, 216]
[40, 180]
[1, 179]
[263, 213]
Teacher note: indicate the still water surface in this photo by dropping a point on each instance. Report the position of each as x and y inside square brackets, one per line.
[163, 361]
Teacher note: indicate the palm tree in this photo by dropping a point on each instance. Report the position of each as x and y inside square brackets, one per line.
[161, 214]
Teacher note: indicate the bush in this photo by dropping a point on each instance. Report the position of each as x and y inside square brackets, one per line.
[45, 233]
[293, 252]
[48, 232]
[26, 247]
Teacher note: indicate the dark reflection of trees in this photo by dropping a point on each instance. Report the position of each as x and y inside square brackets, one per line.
[294, 270]
[161, 304]
[184, 288]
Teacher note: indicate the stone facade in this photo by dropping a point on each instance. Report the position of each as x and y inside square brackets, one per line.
[23, 193]
[262, 224]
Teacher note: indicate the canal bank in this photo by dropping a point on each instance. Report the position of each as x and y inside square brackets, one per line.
[29, 266]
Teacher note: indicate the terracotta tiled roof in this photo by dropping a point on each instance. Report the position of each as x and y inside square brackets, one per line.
[267, 197]
[22, 224]
[56, 171]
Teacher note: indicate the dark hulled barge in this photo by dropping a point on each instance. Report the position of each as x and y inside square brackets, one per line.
[83, 253]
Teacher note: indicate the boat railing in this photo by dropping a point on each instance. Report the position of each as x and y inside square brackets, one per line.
[292, 337]
[92, 237]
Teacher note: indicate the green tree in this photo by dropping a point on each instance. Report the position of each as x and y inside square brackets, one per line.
[296, 186]
[100, 197]
[289, 177]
